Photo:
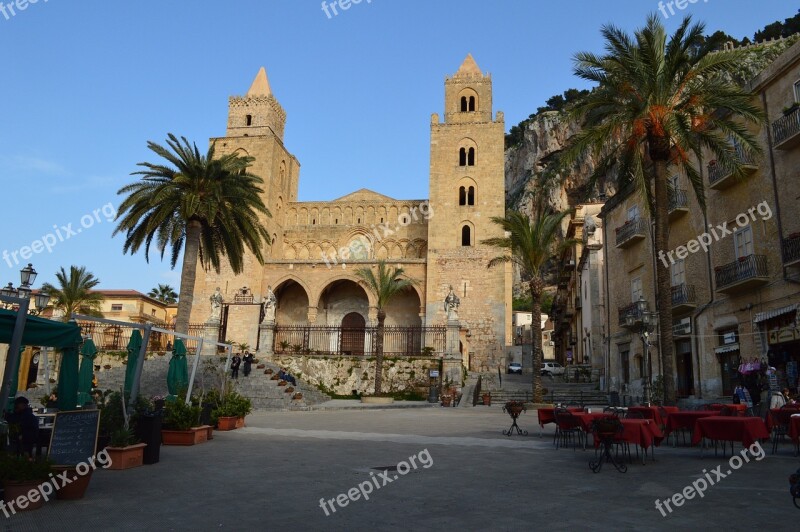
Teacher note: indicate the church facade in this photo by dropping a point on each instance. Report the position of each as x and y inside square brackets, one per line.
[317, 246]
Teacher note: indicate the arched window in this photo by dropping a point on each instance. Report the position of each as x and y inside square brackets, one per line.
[472, 103]
[471, 157]
[463, 104]
[248, 120]
[462, 196]
[462, 157]
[470, 196]
[466, 236]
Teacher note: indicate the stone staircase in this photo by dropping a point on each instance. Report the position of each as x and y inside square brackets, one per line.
[264, 393]
[557, 392]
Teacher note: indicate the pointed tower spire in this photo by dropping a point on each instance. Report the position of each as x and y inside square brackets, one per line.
[469, 68]
[260, 86]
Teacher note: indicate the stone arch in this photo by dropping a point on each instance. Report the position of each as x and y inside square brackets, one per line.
[467, 192]
[467, 101]
[466, 234]
[293, 301]
[339, 296]
[467, 152]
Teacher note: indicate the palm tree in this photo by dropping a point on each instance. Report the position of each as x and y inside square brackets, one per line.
[164, 293]
[660, 103]
[385, 285]
[205, 206]
[530, 244]
[75, 293]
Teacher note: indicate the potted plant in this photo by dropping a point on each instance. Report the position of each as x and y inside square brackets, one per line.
[125, 451]
[487, 399]
[179, 418]
[274, 378]
[284, 345]
[232, 409]
[297, 396]
[281, 383]
[268, 371]
[288, 389]
[19, 476]
[446, 400]
[791, 109]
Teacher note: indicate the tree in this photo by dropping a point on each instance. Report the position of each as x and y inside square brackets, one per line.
[384, 285]
[206, 206]
[530, 244]
[659, 105]
[75, 292]
[164, 293]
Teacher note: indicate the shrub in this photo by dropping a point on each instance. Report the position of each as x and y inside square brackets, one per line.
[19, 469]
[180, 416]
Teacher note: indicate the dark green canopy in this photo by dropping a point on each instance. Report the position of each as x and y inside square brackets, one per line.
[40, 331]
[178, 374]
[86, 372]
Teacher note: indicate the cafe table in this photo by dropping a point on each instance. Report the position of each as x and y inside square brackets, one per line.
[642, 432]
[547, 415]
[685, 420]
[654, 412]
[745, 430]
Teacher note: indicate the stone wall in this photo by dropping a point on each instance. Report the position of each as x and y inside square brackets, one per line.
[342, 375]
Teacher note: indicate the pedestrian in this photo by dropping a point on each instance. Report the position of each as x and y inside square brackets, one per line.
[248, 362]
[24, 427]
[236, 361]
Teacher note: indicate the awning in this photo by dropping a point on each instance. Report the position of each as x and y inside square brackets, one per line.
[726, 348]
[774, 313]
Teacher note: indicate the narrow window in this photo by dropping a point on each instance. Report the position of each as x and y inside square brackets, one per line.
[471, 196]
[466, 236]
[471, 157]
[249, 120]
[313, 221]
[358, 220]
[463, 104]
[472, 103]
[462, 196]
[462, 157]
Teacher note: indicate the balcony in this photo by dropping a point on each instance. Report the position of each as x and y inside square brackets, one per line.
[791, 250]
[629, 310]
[630, 233]
[683, 298]
[743, 274]
[786, 130]
[721, 177]
[678, 204]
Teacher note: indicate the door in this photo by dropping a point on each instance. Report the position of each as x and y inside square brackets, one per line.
[352, 340]
[683, 363]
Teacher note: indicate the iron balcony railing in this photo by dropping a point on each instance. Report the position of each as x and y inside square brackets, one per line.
[786, 126]
[717, 171]
[749, 267]
[630, 229]
[361, 341]
[116, 337]
[791, 248]
[677, 199]
[683, 294]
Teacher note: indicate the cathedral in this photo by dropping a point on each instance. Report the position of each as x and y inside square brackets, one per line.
[317, 246]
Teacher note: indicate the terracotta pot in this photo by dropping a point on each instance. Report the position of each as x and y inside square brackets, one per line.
[269, 371]
[261, 366]
[239, 422]
[200, 434]
[274, 378]
[126, 457]
[289, 389]
[487, 399]
[13, 490]
[226, 423]
[266, 372]
[282, 383]
[76, 489]
[177, 437]
[297, 396]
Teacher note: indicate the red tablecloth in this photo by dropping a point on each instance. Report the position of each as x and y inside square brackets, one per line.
[794, 429]
[774, 411]
[746, 430]
[686, 420]
[653, 412]
[587, 419]
[740, 409]
[641, 432]
[547, 415]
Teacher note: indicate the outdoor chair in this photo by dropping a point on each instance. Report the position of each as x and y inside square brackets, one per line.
[728, 412]
[780, 425]
[634, 415]
[568, 430]
[608, 431]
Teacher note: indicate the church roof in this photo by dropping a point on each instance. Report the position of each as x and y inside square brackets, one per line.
[364, 194]
[260, 86]
[469, 68]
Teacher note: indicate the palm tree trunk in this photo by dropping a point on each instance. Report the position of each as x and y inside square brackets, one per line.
[536, 338]
[191, 252]
[663, 283]
[379, 353]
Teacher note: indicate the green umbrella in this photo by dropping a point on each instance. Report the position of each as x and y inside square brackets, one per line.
[86, 373]
[12, 392]
[178, 375]
[134, 346]
[68, 379]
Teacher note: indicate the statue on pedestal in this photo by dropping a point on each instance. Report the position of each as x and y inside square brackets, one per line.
[451, 304]
[216, 305]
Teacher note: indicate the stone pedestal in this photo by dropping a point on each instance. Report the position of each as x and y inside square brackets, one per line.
[266, 338]
[210, 337]
[452, 362]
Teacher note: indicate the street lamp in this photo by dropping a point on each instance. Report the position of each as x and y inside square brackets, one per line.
[27, 276]
[643, 321]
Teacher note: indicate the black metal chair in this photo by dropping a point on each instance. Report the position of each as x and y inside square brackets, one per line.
[634, 415]
[568, 429]
[607, 432]
[780, 424]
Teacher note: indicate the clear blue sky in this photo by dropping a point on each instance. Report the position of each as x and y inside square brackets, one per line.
[85, 83]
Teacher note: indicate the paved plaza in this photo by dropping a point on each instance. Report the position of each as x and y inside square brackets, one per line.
[272, 474]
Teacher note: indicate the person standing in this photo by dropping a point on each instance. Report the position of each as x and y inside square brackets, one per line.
[236, 361]
[248, 362]
[24, 427]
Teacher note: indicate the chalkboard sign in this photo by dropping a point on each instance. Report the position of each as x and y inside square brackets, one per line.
[74, 438]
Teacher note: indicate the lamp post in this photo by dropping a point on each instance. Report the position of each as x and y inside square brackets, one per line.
[21, 298]
[643, 321]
